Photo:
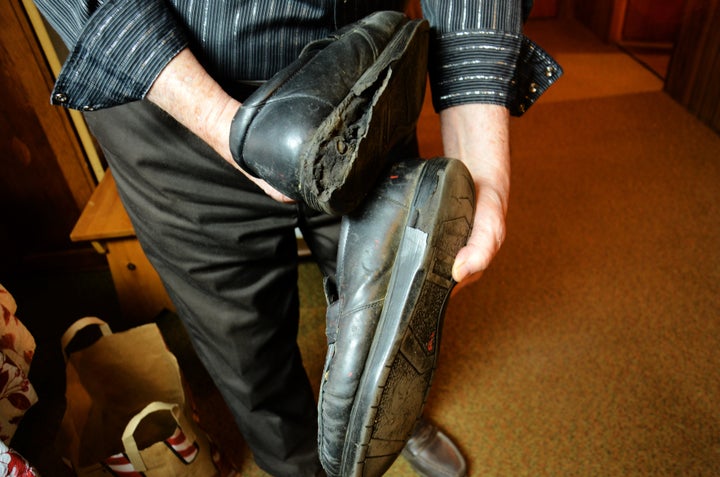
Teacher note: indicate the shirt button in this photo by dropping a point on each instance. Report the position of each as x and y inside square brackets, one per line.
[533, 88]
[549, 71]
[88, 108]
[61, 97]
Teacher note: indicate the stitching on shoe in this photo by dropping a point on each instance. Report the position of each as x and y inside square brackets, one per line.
[367, 306]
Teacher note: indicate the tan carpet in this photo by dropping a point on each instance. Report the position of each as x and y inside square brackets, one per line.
[591, 347]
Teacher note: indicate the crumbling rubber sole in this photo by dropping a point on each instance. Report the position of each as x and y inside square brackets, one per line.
[352, 147]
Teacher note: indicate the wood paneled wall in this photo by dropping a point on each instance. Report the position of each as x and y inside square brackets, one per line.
[545, 9]
[597, 16]
[621, 21]
[44, 177]
[694, 72]
[652, 21]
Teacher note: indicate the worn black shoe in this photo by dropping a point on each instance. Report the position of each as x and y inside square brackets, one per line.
[386, 311]
[321, 129]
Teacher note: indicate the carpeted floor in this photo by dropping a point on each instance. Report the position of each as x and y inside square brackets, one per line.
[591, 347]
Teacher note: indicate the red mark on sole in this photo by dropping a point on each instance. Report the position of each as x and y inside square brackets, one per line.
[431, 342]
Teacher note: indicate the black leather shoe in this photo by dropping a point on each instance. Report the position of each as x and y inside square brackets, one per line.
[320, 130]
[431, 453]
[386, 310]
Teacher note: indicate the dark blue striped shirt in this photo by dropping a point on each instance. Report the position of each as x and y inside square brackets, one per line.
[118, 47]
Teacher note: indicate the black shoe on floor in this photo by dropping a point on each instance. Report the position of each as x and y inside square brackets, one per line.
[386, 311]
[431, 453]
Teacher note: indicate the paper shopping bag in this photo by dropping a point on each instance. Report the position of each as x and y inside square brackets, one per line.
[114, 386]
[182, 453]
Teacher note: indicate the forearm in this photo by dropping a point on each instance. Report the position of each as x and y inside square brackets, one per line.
[478, 134]
[189, 94]
[482, 70]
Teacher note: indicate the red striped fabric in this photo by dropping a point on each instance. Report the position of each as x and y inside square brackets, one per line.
[120, 466]
[185, 449]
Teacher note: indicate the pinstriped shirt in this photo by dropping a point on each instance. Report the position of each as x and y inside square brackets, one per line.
[118, 47]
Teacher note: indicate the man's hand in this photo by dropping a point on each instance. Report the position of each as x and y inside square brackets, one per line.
[189, 94]
[478, 134]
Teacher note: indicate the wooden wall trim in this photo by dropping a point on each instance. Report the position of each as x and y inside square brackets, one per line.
[55, 64]
[617, 21]
[694, 71]
[31, 70]
[46, 180]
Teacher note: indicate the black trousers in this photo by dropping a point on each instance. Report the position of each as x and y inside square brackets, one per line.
[227, 255]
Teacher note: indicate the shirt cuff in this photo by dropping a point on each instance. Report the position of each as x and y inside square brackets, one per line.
[121, 51]
[489, 66]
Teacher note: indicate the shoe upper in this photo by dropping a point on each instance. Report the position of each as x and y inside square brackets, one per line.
[365, 260]
[385, 314]
[276, 122]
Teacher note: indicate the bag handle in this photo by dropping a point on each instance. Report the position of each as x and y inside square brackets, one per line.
[128, 437]
[79, 325]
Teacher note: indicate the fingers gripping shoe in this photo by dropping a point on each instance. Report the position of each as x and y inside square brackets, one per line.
[385, 316]
[320, 130]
